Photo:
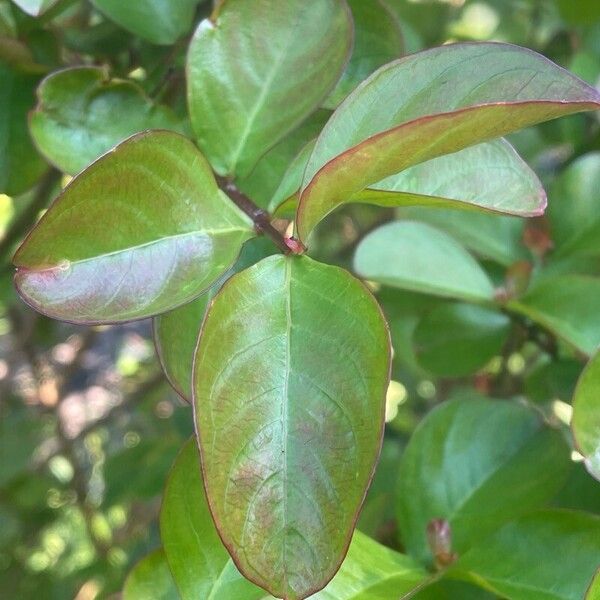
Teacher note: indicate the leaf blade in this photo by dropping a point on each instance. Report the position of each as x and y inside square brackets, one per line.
[299, 532]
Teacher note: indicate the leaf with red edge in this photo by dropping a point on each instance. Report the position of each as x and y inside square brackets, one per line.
[289, 397]
[429, 104]
[143, 230]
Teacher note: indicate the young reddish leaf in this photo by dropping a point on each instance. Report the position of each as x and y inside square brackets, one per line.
[487, 177]
[158, 21]
[74, 122]
[290, 379]
[257, 69]
[586, 415]
[141, 231]
[432, 103]
[417, 257]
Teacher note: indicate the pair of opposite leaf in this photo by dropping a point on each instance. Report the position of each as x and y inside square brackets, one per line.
[293, 361]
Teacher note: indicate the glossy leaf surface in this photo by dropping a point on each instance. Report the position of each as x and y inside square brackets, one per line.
[453, 96]
[20, 164]
[241, 96]
[568, 306]
[593, 592]
[176, 332]
[289, 392]
[377, 41]
[454, 340]
[549, 555]
[586, 415]
[74, 122]
[143, 230]
[417, 257]
[150, 578]
[158, 21]
[197, 558]
[477, 463]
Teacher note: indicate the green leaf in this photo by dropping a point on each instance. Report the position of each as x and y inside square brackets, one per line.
[491, 236]
[553, 379]
[35, 8]
[197, 558]
[490, 177]
[548, 555]
[586, 415]
[476, 463]
[372, 572]
[290, 389]
[257, 69]
[150, 579]
[573, 213]
[455, 340]
[20, 164]
[377, 41]
[176, 332]
[417, 257]
[158, 21]
[453, 97]
[81, 113]
[567, 306]
[143, 230]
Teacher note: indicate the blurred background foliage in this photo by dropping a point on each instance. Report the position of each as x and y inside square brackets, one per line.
[89, 427]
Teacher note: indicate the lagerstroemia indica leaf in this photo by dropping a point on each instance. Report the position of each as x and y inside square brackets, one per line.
[489, 177]
[257, 69]
[586, 415]
[289, 396]
[417, 257]
[141, 231]
[74, 122]
[452, 97]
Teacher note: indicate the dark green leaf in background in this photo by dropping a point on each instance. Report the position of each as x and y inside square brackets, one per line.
[158, 21]
[74, 122]
[289, 388]
[20, 164]
[417, 257]
[452, 96]
[143, 230]
[455, 340]
[568, 306]
[257, 69]
[377, 41]
[548, 555]
[477, 463]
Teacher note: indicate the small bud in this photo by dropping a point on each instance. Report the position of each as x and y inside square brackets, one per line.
[439, 536]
